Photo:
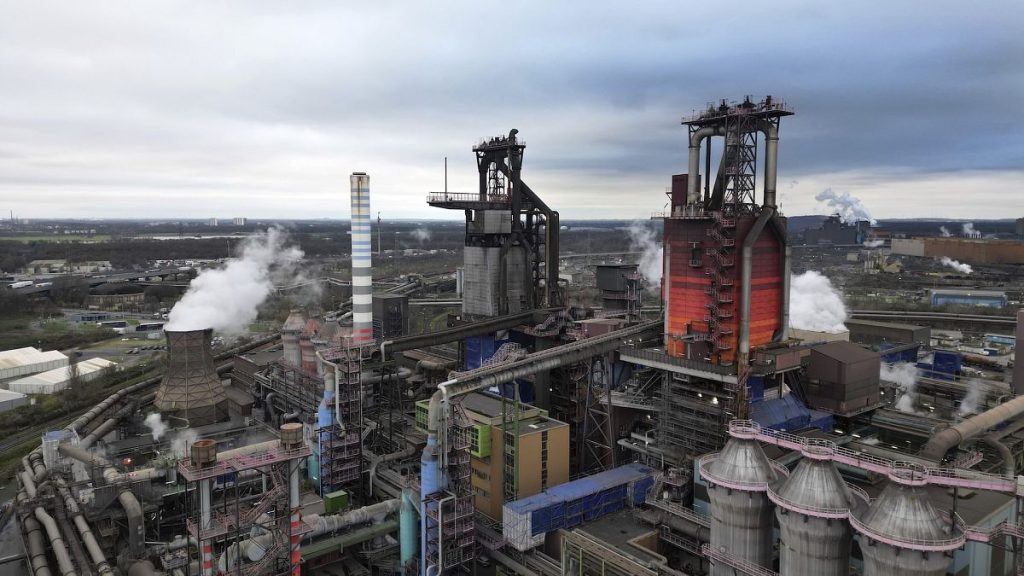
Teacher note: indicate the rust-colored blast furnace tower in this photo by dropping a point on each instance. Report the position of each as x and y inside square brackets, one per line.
[726, 257]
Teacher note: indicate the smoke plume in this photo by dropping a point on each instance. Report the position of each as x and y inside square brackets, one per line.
[156, 424]
[945, 232]
[848, 207]
[226, 299]
[958, 266]
[182, 441]
[816, 305]
[969, 230]
[421, 235]
[904, 376]
[873, 243]
[972, 402]
[642, 238]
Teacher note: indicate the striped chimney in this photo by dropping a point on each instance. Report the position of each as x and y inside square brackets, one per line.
[362, 277]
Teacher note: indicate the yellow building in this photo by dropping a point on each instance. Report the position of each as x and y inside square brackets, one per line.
[532, 456]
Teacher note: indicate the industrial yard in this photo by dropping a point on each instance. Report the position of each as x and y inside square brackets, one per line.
[714, 391]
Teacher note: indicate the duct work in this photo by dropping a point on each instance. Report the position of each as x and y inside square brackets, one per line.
[936, 448]
[191, 389]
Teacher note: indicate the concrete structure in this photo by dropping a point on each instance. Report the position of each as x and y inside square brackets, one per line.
[835, 232]
[58, 379]
[22, 362]
[843, 378]
[191, 389]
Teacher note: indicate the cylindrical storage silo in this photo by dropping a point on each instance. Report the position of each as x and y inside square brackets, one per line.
[812, 506]
[741, 513]
[901, 533]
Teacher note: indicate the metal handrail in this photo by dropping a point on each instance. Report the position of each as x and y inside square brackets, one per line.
[466, 197]
[898, 471]
[744, 566]
[956, 540]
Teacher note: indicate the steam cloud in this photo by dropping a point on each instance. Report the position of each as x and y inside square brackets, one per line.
[182, 441]
[904, 375]
[873, 243]
[945, 232]
[958, 266]
[226, 299]
[643, 239]
[971, 404]
[156, 424]
[848, 207]
[816, 305]
[421, 235]
[970, 232]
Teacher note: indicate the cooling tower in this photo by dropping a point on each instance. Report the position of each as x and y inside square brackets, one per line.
[191, 389]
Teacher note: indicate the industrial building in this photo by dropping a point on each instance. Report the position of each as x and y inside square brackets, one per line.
[59, 378]
[834, 231]
[23, 362]
[970, 250]
[967, 297]
[698, 435]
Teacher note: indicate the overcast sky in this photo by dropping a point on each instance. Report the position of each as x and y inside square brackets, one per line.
[261, 108]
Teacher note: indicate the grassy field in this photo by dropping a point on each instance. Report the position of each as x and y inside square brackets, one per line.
[59, 238]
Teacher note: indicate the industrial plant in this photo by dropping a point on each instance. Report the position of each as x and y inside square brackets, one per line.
[685, 427]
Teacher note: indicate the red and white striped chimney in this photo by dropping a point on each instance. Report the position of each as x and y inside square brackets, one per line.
[362, 276]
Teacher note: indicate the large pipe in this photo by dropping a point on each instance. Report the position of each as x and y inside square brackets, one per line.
[692, 188]
[771, 162]
[746, 273]
[36, 549]
[296, 516]
[362, 276]
[205, 521]
[56, 542]
[787, 267]
[407, 533]
[951, 437]
[99, 560]
[478, 328]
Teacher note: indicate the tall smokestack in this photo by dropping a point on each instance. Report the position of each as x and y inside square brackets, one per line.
[362, 277]
[191, 389]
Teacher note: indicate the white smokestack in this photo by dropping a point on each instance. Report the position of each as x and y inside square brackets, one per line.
[362, 274]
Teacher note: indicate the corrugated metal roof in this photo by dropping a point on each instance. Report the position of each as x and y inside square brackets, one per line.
[582, 487]
[6, 395]
[845, 352]
[58, 375]
[879, 324]
[27, 356]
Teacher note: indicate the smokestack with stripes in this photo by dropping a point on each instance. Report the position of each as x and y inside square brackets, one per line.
[362, 277]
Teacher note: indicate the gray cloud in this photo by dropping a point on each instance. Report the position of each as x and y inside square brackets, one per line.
[199, 109]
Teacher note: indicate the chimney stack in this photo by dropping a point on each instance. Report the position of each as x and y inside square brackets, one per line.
[362, 278]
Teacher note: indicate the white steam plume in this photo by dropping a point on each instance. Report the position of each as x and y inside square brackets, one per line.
[970, 232]
[958, 266]
[873, 243]
[226, 299]
[945, 232]
[643, 239]
[904, 375]
[156, 424]
[848, 207]
[972, 402]
[182, 441]
[816, 305]
[421, 235]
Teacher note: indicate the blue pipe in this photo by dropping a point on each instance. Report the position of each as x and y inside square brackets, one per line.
[428, 485]
[407, 533]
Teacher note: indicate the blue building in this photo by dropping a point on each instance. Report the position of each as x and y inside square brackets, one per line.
[967, 297]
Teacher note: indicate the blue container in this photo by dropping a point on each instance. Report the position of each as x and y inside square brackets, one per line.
[755, 388]
[947, 362]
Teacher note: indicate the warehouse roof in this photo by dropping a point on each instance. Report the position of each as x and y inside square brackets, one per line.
[27, 356]
[967, 292]
[6, 395]
[845, 351]
[58, 375]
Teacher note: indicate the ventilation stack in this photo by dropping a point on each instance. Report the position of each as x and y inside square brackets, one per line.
[362, 276]
[741, 513]
[290, 338]
[901, 533]
[812, 506]
[191, 389]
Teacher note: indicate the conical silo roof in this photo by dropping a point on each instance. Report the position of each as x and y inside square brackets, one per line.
[906, 514]
[813, 485]
[742, 461]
